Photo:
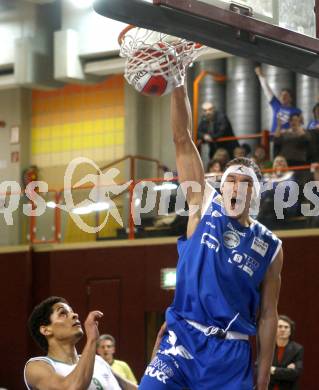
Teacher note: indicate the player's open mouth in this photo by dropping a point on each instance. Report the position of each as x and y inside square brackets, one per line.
[78, 323]
[234, 201]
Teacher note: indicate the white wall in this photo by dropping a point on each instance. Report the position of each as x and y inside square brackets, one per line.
[15, 110]
[97, 34]
[16, 22]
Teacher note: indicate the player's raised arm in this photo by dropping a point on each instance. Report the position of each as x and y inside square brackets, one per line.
[42, 376]
[189, 165]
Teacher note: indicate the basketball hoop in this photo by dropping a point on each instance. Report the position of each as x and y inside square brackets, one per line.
[156, 55]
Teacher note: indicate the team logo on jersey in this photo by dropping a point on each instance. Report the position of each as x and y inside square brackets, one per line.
[216, 214]
[160, 370]
[210, 241]
[231, 227]
[260, 246]
[231, 239]
[97, 384]
[238, 258]
[250, 266]
[175, 350]
[244, 262]
[210, 225]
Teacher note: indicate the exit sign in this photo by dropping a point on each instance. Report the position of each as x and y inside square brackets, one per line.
[168, 278]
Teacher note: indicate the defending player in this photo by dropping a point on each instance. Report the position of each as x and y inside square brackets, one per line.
[57, 329]
[228, 280]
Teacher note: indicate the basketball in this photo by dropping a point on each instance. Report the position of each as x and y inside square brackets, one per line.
[156, 79]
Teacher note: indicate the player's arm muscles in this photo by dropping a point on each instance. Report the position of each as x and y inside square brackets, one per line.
[268, 320]
[188, 161]
[41, 376]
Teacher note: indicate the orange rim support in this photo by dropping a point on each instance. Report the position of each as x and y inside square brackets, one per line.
[204, 73]
[125, 31]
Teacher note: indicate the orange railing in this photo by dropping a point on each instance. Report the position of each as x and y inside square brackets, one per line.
[132, 161]
[220, 78]
[57, 195]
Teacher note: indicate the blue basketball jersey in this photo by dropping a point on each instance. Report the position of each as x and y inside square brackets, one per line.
[283, 112]
[313, 124]
[220, 271]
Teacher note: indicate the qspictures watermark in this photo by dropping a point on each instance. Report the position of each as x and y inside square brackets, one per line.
[145, 197]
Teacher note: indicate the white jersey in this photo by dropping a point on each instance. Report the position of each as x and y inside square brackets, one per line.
[103, 378]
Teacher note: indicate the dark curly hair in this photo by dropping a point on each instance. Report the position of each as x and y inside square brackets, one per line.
[246, 162]
[41, 316]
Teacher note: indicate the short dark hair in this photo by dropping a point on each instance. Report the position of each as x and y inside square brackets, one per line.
[213, 162]
[246, 162]
[105, 337]
[290, 322]
[41, 316]
[293, 115]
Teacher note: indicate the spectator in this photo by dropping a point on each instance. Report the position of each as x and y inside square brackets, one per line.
[288, 358]
[314, 123]
[57, 329]
[106, 349]
[215, 173]
[259, 156]
[239, 152]
[280, 172]
[222, 156]
[247, 149]
[313, 127]
[215, 166]
[214, 124]
[295, 143]
[267, 214]
[283, 107]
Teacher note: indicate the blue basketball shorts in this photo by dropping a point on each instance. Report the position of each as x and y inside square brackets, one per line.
[215, 364]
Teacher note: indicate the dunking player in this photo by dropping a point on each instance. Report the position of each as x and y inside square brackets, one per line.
[228, 280]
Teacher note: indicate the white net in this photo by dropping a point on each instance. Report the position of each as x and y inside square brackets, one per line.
[157, 54]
